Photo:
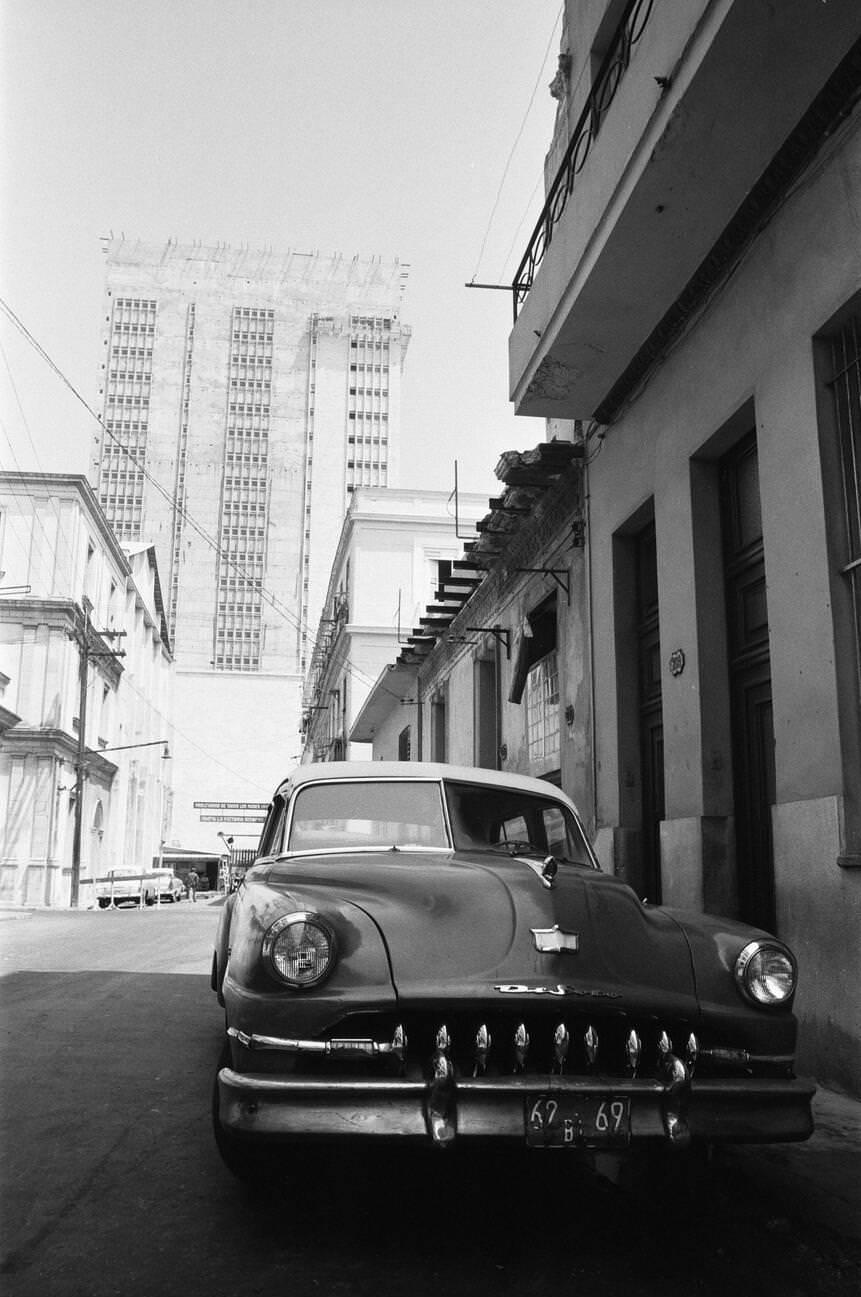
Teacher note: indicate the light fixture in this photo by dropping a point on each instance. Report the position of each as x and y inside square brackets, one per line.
[124, 747]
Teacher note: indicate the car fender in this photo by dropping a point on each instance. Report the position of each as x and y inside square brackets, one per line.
[222, 948]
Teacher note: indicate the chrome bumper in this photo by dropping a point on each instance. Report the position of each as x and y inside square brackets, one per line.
[673, 1108]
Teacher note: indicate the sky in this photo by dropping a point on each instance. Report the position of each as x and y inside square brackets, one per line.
[414, 129]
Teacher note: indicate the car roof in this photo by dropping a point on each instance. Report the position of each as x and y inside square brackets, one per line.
[330, 771]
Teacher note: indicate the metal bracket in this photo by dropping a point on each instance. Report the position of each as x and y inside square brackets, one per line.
[560, 575]
[501, 634]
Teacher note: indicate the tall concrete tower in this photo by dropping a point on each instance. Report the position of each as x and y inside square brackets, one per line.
[245, 395]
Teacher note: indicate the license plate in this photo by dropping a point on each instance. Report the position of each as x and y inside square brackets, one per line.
[575, 1121]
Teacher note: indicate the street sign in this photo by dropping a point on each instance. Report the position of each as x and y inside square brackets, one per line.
[235, 819]
[231, 806]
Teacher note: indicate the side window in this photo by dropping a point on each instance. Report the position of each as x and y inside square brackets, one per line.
[554, 831]
[272, 837]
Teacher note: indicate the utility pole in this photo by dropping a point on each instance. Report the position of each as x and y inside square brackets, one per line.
[81, 635]
[83, 673]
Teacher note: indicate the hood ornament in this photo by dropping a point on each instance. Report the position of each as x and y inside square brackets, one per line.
[553, 941]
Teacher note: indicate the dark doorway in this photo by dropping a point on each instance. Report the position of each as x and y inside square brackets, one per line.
[750, 682]
[485, 714]
[651, 712]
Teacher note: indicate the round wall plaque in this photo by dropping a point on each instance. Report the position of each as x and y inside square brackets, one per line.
[677, 662]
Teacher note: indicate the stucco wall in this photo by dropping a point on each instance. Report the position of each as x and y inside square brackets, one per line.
[234, 750]
[752, 350]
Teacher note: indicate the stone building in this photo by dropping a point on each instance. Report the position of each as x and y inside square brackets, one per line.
[76, 609]
[245, 396]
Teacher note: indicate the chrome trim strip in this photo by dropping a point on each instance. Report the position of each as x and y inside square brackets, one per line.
[377, 849]
[733, 1089]
[490, 1085]
[360, 1046]
[743, 1056]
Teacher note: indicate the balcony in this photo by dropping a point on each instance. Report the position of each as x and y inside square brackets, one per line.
[691, 105]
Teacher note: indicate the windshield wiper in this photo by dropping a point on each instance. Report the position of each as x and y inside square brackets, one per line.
[518, 848]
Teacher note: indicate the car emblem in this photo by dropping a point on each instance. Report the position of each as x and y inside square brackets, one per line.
[521, 988]
[555, 941]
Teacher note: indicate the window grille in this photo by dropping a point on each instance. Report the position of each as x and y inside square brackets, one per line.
[542, 709]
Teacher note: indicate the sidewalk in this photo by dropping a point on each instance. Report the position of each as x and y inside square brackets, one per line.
[820, 1179]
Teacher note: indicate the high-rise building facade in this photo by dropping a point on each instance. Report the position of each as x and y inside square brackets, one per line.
[245, 395]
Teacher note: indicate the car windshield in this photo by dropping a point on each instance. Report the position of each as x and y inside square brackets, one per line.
[484, 818]
[369, 814]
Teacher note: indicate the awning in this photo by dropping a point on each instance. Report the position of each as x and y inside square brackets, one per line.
[395, 685]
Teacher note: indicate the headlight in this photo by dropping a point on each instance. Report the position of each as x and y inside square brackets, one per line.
[765, 973]
[300, 949]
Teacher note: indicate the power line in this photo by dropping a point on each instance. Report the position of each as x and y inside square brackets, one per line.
[514, 146]
[173, 501]
[140, 465]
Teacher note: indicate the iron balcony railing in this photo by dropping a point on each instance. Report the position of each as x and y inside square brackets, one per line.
[616, 60]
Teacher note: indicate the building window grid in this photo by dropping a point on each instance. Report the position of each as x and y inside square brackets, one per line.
[239, 596]
[368, 403]
[125, 412]
[846, 387]
[181, 468]
[542, 709]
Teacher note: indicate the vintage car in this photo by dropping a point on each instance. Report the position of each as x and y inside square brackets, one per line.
[125, 885]
[431, 953]
[170, 887]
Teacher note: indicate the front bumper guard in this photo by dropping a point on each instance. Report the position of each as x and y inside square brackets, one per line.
[672, 1108]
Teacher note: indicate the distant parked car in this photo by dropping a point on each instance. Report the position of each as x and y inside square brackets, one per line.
[432, 954]
[125, 885]
[170, 888]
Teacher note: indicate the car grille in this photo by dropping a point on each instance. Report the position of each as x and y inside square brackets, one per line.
[508, 1043]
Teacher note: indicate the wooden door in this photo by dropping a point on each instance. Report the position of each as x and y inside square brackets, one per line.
[651, 716]
[751, 718]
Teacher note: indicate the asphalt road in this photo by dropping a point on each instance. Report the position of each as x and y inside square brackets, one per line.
[112, 1184]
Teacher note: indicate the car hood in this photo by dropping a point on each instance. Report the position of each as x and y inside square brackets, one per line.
[464, 927]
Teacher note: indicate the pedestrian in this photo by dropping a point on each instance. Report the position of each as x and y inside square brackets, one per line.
[193, 880]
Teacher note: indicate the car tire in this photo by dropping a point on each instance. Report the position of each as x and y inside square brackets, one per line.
[104, 902]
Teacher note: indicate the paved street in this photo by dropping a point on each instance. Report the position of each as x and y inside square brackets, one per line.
[112, 1185]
